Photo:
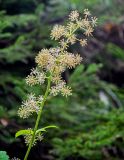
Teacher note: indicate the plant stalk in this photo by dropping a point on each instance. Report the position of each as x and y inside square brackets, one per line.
[38, 118]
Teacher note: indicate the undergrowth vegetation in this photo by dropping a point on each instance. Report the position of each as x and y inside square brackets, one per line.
[90, 121]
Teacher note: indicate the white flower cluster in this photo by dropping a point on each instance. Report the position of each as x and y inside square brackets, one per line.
[51, 63]
[66, 34]
[35, 77]
[30, 106]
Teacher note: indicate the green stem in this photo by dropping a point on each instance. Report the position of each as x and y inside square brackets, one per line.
[38, 118]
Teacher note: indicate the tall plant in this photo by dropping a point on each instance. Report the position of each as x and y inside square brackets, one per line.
[50, 64]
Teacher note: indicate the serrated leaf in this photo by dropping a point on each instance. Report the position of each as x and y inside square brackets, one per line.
[44, 129]
[23, 132]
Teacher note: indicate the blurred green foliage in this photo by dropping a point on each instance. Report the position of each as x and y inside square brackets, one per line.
[116, 51]
[3, 155]
[91, 121]
[94, 116]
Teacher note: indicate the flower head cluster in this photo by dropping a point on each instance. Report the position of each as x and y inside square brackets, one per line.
[29, 106]
[66, 34]
[74, 15]
[57, 32]
[51, 63]
[61, 88]
[55, 62]
[35, 77]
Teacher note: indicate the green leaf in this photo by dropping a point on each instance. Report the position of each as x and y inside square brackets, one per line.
[78, 71]
[116, 51]
[93, 68]
[44, 129]
[23, 132]
[3, 155]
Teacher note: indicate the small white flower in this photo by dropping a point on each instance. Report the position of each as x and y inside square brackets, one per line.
[31, 96]
[40, 98]
[57, 32]
[74, 15]
[41, 77]
[87, 12]
[94, 21]
[83, 42]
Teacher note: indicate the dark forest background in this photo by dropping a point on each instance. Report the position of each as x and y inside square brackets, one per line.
[91, 121]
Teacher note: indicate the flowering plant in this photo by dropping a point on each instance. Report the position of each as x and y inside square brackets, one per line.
[50, 64]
